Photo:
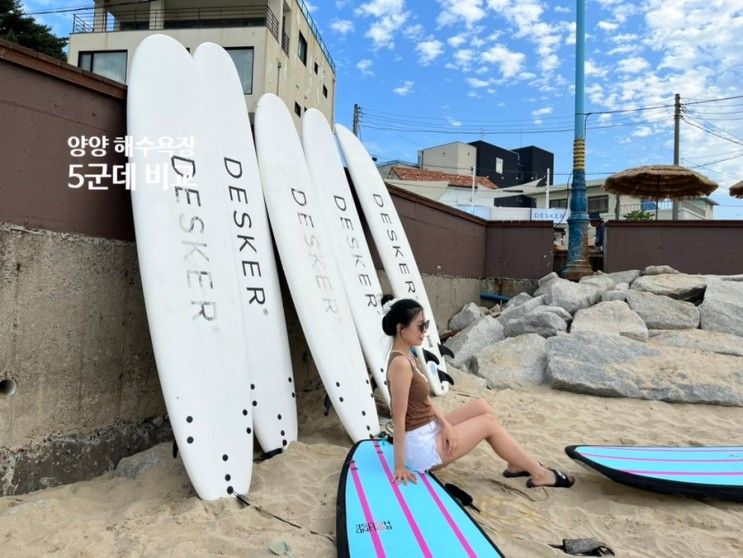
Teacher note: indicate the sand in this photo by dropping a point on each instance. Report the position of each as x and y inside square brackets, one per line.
[293, 495]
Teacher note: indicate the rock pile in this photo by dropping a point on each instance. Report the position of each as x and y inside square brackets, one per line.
[656, 334]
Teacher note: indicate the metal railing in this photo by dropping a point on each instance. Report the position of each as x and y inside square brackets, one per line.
[143, 18]
[688, 210]
[316, 32]
[285, 42]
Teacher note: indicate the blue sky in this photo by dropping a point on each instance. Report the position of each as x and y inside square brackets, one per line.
[431, 72]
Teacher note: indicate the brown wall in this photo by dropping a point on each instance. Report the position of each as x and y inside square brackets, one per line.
[688, 246]
[519, 249]
[43, 102]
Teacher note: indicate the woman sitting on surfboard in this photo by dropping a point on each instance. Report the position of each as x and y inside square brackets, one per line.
[432, 439]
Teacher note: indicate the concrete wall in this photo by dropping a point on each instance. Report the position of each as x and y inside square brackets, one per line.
[453, 158]
[688, 246]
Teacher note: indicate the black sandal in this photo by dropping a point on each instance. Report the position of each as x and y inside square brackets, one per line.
[561, 481]
[511, 475]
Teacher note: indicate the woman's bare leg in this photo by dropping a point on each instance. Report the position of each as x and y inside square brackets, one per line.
[472, 409]
[487, 427]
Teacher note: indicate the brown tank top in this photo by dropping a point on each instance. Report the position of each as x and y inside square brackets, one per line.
[420, 410]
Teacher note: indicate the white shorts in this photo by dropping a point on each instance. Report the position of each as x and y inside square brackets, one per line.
[420, 447]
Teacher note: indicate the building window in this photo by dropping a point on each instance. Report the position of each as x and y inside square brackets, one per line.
[559, 203]
[243, 59]
[297, 109]
[598, 204]
[325, 91]
[110, 64]
[317, 68]
[302, 49]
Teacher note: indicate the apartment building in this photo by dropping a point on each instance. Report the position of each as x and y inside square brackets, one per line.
[275, 44]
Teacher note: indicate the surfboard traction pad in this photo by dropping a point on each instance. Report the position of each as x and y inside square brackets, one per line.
[654, 484]
[340, 515]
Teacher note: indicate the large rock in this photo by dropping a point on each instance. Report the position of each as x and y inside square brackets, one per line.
[662, 312]
[571, 296]
[466, 316]
[614, 295]
[157, 457]
[699, 340]
[679, 286]
[722, 309]
[513, 362]
[658, 270]
[473, 339]
[614, 366]
[521, 310]
[561, 312]
[624, 276]
[545, 282]
[602, 282]
[613, 317]
[545, 324]
[518, 300]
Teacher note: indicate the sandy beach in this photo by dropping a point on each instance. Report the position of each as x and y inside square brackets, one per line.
[293, 495]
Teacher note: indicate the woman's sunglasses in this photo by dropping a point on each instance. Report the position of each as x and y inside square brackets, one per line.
[423, 326]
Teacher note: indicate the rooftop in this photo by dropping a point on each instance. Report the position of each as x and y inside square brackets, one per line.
[457, 180]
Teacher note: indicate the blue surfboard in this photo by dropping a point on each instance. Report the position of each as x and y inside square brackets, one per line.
[376, 517]
[706, 472]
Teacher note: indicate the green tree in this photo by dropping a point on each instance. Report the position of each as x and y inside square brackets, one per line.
[638, 215]
[19, 28]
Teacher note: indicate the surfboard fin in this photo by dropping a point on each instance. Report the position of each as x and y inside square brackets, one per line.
[268, 455]
[175, 449]
[373, 383]
[327, 405]
[444, 377]
[446, 351]
[430, 357]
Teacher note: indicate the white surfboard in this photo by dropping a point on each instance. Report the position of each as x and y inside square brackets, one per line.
[360, 279]
[188, 272]
[391, 242]
[269, 359]
[312, 274]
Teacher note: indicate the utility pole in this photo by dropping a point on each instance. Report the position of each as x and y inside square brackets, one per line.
[578, 264]
[676, 141]
[472, 198]
[356, 119]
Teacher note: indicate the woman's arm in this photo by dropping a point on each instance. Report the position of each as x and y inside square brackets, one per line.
[400, 376]
[440, 418]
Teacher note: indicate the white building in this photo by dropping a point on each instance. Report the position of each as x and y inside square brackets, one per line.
[274, 43]
[452, 158]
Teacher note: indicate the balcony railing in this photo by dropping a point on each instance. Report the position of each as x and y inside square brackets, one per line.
[143, 18]
[688, 210]
[285, 42]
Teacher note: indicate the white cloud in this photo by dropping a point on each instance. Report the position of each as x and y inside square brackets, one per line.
[562, 10]
[364, 66]
[464, 56]
[632, 65]
[509, 62]
[429, 50]
[404, 89]
[593, 69]
[454, 11]
[456, 40]
[342, 26]
[642, 132]
[453, 122]
[477, 83]
[607, 25]
[413, 31]
[390, 17]
[544, 111]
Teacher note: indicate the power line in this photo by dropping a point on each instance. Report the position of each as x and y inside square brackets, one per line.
[84, 8]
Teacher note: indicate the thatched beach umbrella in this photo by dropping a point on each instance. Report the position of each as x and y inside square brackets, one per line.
[658, 182]
[736, 190]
